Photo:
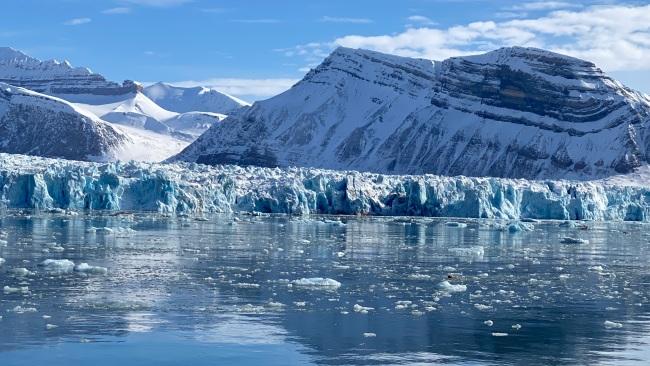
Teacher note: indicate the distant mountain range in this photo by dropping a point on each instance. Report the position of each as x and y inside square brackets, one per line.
[514, 112]
[199, 98]
[144, 129]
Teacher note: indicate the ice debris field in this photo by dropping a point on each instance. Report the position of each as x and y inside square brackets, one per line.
[41, 183]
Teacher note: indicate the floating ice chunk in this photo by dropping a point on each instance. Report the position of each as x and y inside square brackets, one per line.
[570, 240]
[14, 290]
[361, 309]
[21, 310]
[574, 225]
[317, 282]
[498, 334]
[597, 268]
[57, 266]
[516, 326]
[50, 326]
[445, 286]
[403, 303]
[300, 303]
[88, 269]
[246, 285]
[21, 272]
[250, 309]
[2, 261]
[456, 224]
[515, 227]
[369, 335]
[489, 323]
[419, 277]
[610, 325]
[482, 307]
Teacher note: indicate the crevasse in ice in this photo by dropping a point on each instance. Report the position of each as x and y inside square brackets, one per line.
[41, 183]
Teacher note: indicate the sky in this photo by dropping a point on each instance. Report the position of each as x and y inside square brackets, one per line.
[257, 48]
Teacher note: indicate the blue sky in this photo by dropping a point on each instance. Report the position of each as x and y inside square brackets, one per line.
[257, 48]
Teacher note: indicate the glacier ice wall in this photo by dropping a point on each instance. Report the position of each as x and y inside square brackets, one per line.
[41, 183]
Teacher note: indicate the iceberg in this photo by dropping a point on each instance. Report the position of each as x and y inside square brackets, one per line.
[57, 266]
[317, 282]
[28, 182]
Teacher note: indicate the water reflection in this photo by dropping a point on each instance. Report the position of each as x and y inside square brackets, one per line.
[226, 281]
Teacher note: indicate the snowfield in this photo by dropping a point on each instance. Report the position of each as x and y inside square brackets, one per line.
[42, 183]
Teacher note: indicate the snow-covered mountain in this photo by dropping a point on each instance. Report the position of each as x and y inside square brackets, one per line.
[513, 112]
[202, 99]
[154, 132]
[57, 78]
[37, 124]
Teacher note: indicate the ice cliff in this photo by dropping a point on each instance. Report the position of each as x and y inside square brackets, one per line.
[41, 183]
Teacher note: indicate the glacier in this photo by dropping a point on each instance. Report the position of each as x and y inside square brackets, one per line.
[28, 182]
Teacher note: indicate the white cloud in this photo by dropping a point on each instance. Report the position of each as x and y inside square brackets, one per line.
[614, 37]
[77, 21]
[421, 20]
[256, 88]
[158, 3]
[115, 11]
[328, 19]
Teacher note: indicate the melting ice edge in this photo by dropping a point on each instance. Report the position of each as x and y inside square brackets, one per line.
[42, 183]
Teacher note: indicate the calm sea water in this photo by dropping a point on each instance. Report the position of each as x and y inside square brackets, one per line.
[216, 291]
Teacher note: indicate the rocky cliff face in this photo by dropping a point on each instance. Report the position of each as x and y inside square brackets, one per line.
[53, 77]
[37, 124]
[514, 112]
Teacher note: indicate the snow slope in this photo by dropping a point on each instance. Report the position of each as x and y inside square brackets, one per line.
[138, 111]
[30, 182]
[514, 112]
[201, 99]
[37, 124]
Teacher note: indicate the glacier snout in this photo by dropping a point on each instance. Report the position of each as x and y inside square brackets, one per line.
[41, 183]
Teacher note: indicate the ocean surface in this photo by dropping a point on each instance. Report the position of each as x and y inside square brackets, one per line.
[222, 290]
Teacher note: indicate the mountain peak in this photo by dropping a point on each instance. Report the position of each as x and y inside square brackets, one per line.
[8, 53]
[509, 55]
[191, 99]
[513, 112]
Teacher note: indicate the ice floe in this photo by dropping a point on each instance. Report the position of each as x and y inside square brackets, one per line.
[317, 282]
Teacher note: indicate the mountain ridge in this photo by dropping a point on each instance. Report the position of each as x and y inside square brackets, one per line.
[513, 112]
